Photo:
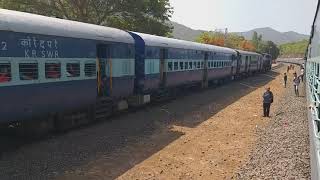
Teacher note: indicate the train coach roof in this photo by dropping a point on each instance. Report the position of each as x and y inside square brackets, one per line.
[30, 23]
[248, 52]
[158, 41]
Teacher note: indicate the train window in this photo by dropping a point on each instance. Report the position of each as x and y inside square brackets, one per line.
[181, 66]
[198, 65]
[73, 69]
[202, 64]
[169, 66]
[190, 65]
[28, 71]
[126, 67]
[194, 65]
[212, 64]
[53, 70]
[90, 69]
[186, 65]
[176, 66]
[5, 72]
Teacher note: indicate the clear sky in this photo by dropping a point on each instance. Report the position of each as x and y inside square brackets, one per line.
[244, 15]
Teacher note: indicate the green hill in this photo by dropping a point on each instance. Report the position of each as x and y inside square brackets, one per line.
[296, 49]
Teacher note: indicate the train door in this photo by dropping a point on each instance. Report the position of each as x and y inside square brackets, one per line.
[205, 71]
[235, 65]
[239, 62]
[163, 72]
[247, 64]
[104, 77]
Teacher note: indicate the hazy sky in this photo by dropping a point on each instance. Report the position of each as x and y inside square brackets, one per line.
[244, 15]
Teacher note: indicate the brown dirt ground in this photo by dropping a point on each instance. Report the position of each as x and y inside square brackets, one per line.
[212, 149]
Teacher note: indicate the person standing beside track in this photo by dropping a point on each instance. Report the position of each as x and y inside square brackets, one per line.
[285, 79]
[267, 101]
[302, 74]
[296, 82]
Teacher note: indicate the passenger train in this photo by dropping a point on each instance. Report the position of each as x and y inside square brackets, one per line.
[51, 67]
[312, 66]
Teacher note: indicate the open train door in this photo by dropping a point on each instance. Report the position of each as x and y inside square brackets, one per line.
[104, 74]
[163, 72]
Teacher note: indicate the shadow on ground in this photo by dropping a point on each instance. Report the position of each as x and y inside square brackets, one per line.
[67, 153]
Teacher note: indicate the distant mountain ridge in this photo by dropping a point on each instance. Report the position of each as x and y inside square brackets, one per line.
[268, 34]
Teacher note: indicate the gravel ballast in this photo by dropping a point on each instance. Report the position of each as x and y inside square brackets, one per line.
[282, 151]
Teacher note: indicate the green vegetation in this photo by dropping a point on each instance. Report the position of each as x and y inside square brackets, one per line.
[296, 49]
[235, 41]
[148, 16]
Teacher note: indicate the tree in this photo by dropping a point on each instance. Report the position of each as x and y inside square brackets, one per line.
[146, 16]
[295, 49]
[233, 40]
[272, 49]
[213, 38]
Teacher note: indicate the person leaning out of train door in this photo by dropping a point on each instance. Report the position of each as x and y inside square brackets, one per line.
[4, 75]
[267, 101]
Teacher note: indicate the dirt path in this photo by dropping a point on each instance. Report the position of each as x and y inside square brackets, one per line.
[204, 135]
[213, 147]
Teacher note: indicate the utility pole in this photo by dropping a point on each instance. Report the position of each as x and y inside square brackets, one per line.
[225, 36]
[224, 32]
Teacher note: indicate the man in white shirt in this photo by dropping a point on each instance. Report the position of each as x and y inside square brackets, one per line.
[302, 74]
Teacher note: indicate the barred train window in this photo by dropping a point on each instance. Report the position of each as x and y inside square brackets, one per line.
[176, 66]
[28, 71]
[181, 66]
[5, 72]
[73, 69]
[90, 69]
[53, 70]
[169, 66]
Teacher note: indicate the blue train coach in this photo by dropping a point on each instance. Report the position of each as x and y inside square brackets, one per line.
[50, 65]
[164, 63]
